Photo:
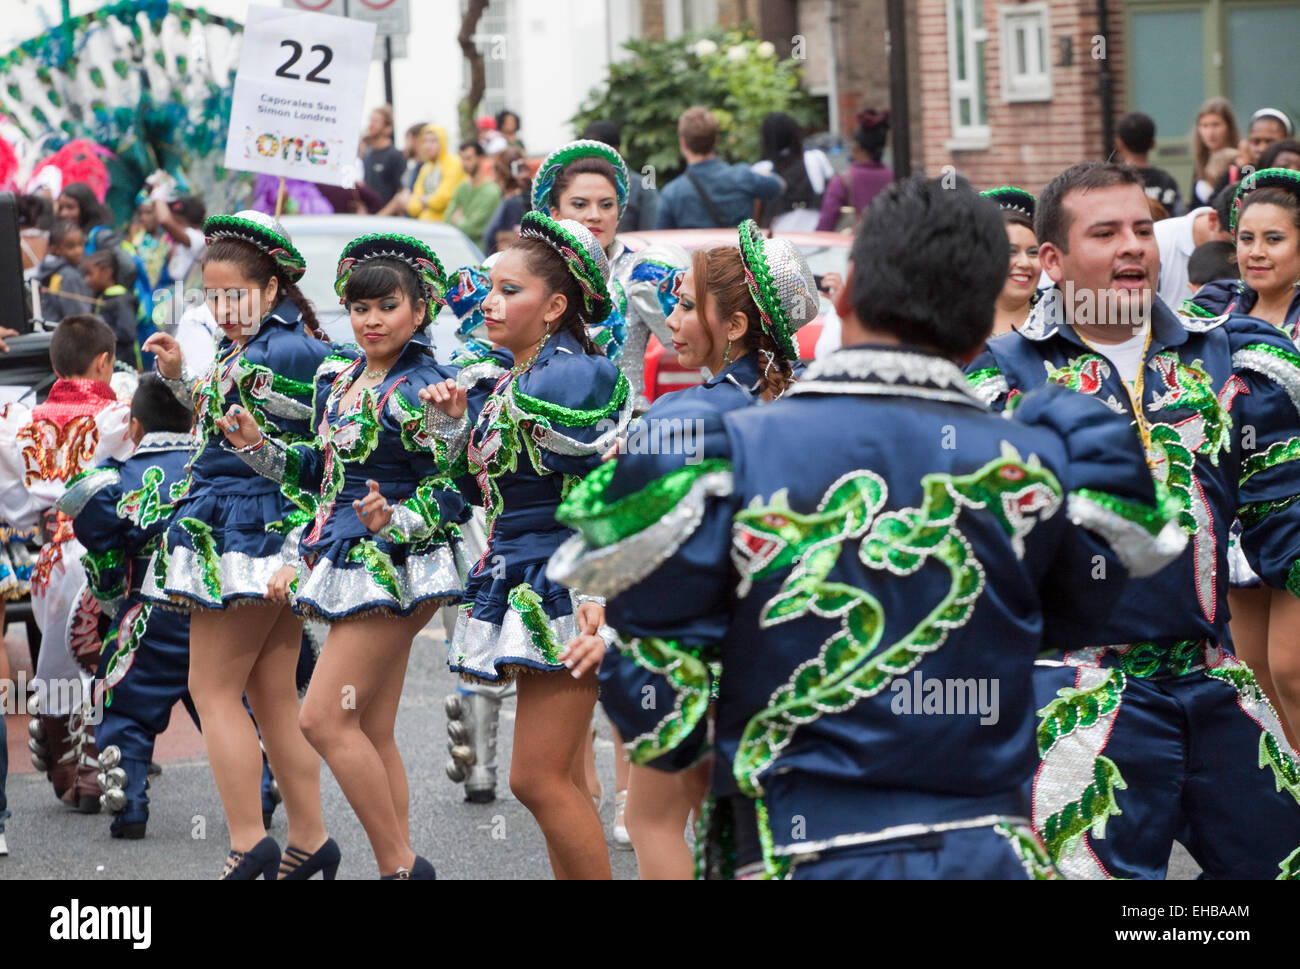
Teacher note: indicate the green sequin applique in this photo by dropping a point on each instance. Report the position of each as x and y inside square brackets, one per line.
[378, 566]
[144, 506]
[205, 548]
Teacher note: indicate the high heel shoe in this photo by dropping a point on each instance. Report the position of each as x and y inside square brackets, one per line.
[296, 865]
[262, 859]
[420, 870]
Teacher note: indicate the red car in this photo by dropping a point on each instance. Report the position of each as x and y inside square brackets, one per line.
[826, 252]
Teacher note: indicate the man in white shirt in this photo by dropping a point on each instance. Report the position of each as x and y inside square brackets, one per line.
[1178, 237]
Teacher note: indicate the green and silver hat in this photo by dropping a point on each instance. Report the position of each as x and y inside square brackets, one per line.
[403, 248]
[263, 232]
[560, 159]
[781, 284]
[1012, 199]
[580, 251]
[1283, 178]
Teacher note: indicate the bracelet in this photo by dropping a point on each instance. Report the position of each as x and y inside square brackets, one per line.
[252, 448]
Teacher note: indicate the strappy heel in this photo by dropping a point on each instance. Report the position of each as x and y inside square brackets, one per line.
[420, 870]
[260, 860]
[296, 865]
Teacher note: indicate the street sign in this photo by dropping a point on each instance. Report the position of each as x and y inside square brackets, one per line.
[390, 17]
[299, 92]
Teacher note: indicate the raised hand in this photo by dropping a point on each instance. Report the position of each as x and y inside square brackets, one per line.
[168, 351]
[239, 427]
[447, 396]
[374, 510]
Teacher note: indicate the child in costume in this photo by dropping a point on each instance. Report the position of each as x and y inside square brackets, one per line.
[1173, 738]
[79, 425]
[1265, 218]
[118, 511]
[380, 546]
[526, 422]
[873, 531]
[227, 556]
[716, 324]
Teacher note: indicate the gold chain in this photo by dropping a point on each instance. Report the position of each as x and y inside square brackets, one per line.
[1135, 392]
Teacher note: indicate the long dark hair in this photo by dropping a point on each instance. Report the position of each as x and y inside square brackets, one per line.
[90, 212]
[545, 263]
[720, 273]
[259, 267]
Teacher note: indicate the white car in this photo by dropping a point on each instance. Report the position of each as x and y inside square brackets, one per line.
[321, 238]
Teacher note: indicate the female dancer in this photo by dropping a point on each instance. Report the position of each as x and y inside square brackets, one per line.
[725, 322]
[1266, 220]
[528, 432]
[232, 533]
[586, 181]
[1017, 294]
[382, 515]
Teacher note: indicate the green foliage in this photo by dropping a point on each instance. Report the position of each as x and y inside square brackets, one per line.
[739, 78]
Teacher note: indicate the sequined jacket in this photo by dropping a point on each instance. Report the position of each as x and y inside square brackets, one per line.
[673, 421]
[1234, 296]
[380, 438]
[1220, 421]
[80, 424]
[119, 509]
[524, 440]
[875, 531]
[272, 377]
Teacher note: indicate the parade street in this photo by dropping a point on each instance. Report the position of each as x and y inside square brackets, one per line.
[496, 840]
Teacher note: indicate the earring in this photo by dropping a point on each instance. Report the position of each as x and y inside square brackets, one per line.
[726, 357]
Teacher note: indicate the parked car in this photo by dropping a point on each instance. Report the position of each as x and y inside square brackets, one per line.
[320, 239]
[826, 252]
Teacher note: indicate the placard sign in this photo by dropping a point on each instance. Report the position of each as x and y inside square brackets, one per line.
[299, 93]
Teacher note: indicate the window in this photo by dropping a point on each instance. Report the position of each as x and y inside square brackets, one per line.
[1026, 69]
[688, 16]
[966, 36]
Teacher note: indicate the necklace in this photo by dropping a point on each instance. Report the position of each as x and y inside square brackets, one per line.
[519, 368]
[375, 374]
[1135, 392]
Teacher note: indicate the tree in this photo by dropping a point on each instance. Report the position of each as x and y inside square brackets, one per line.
[477, 72]
[740, 79]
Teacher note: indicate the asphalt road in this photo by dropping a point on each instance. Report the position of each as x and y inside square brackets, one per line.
[498, 840]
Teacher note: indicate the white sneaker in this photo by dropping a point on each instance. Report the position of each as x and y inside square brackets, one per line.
[4, 845]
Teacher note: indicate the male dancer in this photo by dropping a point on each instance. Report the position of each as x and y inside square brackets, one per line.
[864, 557]
[1156, 732]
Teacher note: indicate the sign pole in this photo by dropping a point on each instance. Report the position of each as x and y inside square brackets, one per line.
[388, 70]
[279, 198]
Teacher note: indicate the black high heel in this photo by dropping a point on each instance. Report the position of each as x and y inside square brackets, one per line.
[262, 859]
[420, 870]
[296, 865]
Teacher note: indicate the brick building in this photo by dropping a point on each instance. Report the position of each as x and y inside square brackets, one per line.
[1011, 91]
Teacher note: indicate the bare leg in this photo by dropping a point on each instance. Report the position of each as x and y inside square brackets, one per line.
[1284, 660]
[273, 695]
[353, 675]
[378, 721]
[657, 811]
[1249, 608]
[552, 722]
[224, 646]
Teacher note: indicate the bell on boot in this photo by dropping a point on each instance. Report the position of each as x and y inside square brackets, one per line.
[110, 756]
[36, 729]
[114, 799]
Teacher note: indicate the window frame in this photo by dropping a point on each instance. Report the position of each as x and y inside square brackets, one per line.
[969, 88]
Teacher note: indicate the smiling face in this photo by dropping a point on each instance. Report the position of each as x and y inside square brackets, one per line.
[1263, 133]
[68, 208]
[384, 326]
[1024, 268]
[1112, 260]
[1268, 249]
[519, 309]
[237, 303]
[591, 200]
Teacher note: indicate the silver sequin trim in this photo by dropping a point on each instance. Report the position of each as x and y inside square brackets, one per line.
[896, 832]
[483, 370]
[552, 440]
[1201, 324]
[451, 431]
[991, 388]
[268, 460]
[407, 526]
[1278, 371]
[1141, 552]
[164, 441]
[241, 576]
[614, 568]
[331, 593]
[282, 406]
[478, 646]
[895, 373]
[78, 495]
[1045, 318]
